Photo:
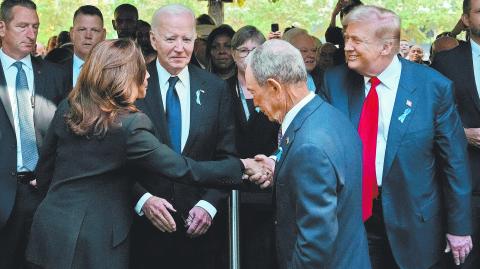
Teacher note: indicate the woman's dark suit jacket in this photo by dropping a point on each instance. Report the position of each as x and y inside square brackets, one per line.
[85, 218]
[257, 135]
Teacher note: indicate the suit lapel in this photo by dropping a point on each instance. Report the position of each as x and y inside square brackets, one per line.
[289, 136]
[356, 96]
[4, 97]
[39, 93]
[197, 83]
[406, 93]
[465, 58]
[155, 104]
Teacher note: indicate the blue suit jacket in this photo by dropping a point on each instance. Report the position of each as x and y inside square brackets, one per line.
[318, 193]
[419, 207]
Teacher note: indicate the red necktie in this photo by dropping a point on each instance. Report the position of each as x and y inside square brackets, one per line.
[368, 129]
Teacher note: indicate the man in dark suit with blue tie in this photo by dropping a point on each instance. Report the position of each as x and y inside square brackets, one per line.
[410, 129]
[462, 66]
[317, 180]
[191, 110]
[30, 89]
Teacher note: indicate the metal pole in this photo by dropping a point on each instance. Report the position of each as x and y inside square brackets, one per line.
[234, 230]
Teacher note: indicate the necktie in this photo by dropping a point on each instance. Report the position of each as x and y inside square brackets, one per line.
[174, 115]
[279, 136]
[25, 116]
[368, 129]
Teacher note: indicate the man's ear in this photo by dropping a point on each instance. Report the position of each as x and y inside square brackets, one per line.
[273, 86]
[466, 20]
[114, 25]
[387, 47]
[153, 40]
[3, 27]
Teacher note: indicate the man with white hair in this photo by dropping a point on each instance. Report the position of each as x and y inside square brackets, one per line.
[191, 111]
[416, 179]
[318, 166]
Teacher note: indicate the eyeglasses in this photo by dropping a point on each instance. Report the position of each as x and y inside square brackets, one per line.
[243, 52]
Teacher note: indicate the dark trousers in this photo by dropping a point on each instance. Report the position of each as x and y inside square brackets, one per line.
[381, 256]
[256, 237]
[153, 249]
[14, 236]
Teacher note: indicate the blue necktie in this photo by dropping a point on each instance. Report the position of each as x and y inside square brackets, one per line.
[174, 115]
[25, 117]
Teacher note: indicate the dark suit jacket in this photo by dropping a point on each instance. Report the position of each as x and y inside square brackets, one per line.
[318, 192]
[85, 218]
[258, 135]
[418, 206]
[68, 67]
[50, 85]
[211, 135]
[457, 65]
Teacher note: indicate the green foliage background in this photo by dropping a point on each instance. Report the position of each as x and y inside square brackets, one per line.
[421, 20]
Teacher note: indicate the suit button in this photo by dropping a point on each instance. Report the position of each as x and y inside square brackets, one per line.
[275, 222]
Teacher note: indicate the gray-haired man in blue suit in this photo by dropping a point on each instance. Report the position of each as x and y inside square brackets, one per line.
[317, 178]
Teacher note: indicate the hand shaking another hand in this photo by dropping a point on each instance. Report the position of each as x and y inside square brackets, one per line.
[259, 170]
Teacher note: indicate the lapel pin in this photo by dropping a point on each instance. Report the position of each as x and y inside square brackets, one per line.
[409, 103]
[287, 140]
[197, 93]
[404, 115]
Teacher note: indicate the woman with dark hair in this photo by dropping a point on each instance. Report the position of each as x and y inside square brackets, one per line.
[95, 143]
[219, 53]
[254, 134]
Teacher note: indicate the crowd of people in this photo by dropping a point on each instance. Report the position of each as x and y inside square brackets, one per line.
[352, 153]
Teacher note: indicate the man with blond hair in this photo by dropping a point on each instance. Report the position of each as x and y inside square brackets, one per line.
[411, 134]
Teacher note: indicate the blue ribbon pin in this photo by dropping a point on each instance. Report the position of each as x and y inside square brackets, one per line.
[278, 153]
[197, 93]
[404, 115]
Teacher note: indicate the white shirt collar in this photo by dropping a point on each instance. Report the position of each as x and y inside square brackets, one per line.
[77, 62]
[294, 111]
[475, 48]
[164, 75]
[389, 76]
[7, 61]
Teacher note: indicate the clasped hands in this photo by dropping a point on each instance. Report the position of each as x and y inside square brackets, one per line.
[259, 170]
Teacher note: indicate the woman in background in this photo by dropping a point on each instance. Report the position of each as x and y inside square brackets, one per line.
[254, 134]
[219, 52]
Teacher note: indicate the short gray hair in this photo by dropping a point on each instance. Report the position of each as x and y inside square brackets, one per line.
[172, 9]
[387, 22]
[279, 60]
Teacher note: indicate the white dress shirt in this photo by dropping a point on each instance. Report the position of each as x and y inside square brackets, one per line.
[476, 63]
[10, 72]
[292, 113]
[386, 91]
[183, 91]
[77, 67]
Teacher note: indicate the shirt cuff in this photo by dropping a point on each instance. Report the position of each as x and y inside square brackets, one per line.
[141, 202]
[273, 157]
[212, 211]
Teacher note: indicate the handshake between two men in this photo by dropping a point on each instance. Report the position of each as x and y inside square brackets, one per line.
[258, 170]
